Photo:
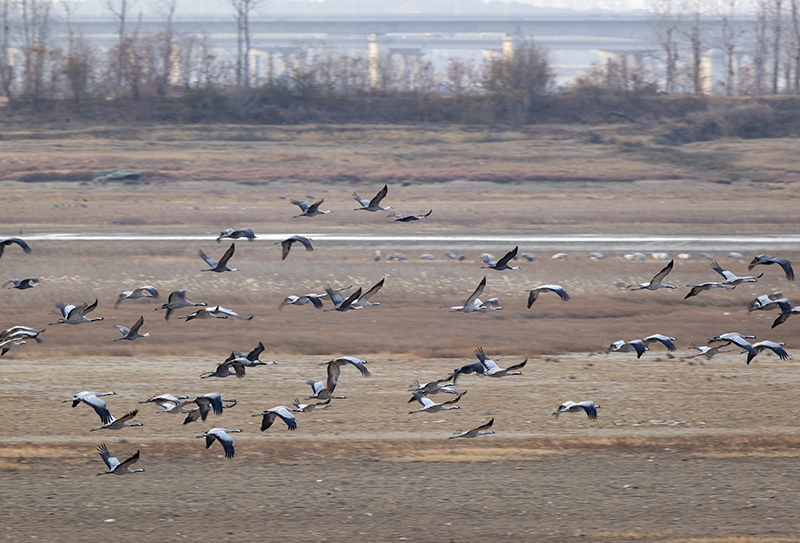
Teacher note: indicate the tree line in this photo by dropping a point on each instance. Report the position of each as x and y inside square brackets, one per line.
[170, 76]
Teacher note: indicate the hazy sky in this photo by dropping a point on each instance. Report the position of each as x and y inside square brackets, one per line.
[346, 7]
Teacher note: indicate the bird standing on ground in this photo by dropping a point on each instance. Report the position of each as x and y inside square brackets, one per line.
[133, 333]
[18, 241]
[148, 291]
[768, 260]
[221, 435]
[375, 203]
[656, 282]
[286, 245]
[571, 407]
[115, 467]
[230, 233]
[502, 264]
[222, 265]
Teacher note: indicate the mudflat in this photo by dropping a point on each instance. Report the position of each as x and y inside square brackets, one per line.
[684, 449]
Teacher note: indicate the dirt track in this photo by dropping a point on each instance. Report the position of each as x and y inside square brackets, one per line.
[682, 450]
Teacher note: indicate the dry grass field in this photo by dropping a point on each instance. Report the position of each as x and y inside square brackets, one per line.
[684, 450]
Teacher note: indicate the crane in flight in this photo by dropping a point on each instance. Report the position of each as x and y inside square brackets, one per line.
[115, 467]
[571, 407]
[375, 203]
[768, 260]
[222, 265]
[481, 430]
[221, 435]
[656, 282]
[230, 233]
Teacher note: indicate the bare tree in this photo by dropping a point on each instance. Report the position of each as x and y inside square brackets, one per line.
[34, 31]
[120, 9]
[665, 25]
[514, 83]
[460, 77]
[731, 33]
[776, 27]
[79, 68]
[424, 78]
[167, 64]
[244, 9]
[759, 47]
[6, 70]
[690, 28]
[795, 9]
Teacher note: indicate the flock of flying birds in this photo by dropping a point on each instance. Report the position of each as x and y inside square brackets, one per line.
[237, 363]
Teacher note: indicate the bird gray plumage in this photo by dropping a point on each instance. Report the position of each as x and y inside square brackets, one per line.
[23, 284]
[502, 264]
[221, 435]
[148, 291]
[571, 407]
[533, 293]
[18, 241]
[177, 300]
[271, 415]
[286, 245]
[222, 265]
[375, 203]
[133, 333]
[656, 282]
[768, 260]
[230, 233]
[115, 467]
[310, 210]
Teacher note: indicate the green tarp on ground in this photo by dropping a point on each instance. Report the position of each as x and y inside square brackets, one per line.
[115, 175]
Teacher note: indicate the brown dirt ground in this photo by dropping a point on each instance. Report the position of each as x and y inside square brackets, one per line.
[682, 450]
